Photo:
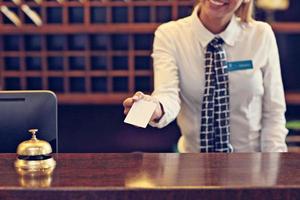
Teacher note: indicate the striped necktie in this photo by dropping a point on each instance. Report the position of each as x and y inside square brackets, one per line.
[215, 127]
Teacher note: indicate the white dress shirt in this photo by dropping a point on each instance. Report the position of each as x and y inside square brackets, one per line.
[257, 103]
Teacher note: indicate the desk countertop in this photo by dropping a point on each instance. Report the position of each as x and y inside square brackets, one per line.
[159, 176]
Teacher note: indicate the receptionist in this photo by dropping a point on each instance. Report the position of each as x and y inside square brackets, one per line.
[217, 71]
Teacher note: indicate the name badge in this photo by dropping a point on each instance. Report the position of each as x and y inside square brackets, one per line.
[240, 65]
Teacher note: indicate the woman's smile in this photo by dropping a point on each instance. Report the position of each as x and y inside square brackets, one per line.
[217, 3]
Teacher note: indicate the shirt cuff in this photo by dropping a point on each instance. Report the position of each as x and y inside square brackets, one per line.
[165, 119]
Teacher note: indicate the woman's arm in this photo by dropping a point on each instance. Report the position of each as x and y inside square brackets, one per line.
[273, 120]
[166, 77]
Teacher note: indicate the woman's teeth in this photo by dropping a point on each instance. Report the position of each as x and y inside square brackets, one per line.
[217, 3]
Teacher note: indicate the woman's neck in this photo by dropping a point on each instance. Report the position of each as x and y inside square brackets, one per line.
[213, 24]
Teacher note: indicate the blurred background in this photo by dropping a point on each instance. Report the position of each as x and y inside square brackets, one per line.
[94, 53]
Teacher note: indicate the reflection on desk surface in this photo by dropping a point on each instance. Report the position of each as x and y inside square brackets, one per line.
[139, 170]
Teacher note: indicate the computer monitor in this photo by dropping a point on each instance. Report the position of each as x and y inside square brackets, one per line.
[24, 110]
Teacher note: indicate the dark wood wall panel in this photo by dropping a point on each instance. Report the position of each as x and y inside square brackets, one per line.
[95, 52]
[88, 51]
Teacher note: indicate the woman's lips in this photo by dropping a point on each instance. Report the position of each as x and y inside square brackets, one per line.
[218, 3]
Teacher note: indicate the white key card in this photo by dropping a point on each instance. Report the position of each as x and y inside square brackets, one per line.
[140, 113]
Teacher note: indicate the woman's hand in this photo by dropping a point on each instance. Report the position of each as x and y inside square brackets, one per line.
[158, 113]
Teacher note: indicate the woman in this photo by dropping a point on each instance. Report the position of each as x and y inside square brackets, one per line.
[218, 72]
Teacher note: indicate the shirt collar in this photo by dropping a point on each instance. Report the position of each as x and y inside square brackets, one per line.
[229, 35]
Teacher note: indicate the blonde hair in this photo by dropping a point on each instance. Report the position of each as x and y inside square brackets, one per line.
[244, 12]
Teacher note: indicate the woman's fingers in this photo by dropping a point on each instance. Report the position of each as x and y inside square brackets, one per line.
[126, 110]
[138, 95]
[127, 103]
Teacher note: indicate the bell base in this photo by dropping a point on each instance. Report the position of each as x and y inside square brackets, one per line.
[35, 167]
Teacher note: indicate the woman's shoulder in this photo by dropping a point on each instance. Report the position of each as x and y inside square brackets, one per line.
[258, 28]
[175, 26]
[258, 32]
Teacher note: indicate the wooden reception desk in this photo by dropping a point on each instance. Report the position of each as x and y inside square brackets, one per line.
[158, 176]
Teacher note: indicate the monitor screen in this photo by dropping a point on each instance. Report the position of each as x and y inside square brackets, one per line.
[24, 110]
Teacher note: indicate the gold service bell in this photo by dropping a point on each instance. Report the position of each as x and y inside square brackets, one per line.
[34, 157]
